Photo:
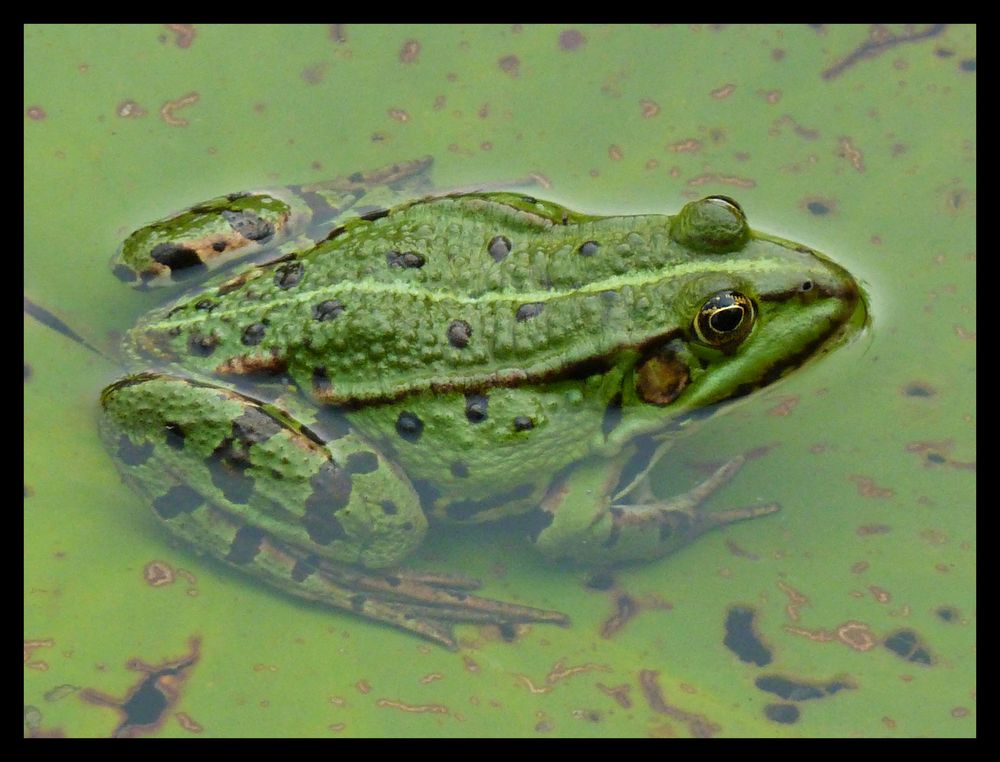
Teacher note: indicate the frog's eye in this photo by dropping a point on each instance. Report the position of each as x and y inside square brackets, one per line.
[714, 224]
[724, 320]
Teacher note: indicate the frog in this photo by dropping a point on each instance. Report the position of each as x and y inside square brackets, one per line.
[362, 361]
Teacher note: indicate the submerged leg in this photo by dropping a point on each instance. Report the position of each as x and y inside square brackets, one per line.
[585, 517]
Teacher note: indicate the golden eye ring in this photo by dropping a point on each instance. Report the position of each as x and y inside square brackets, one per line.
[725, 319]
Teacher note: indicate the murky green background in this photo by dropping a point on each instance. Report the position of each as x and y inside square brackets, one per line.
[857, 140]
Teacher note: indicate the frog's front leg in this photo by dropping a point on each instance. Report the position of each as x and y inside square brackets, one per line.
[588, 518]
[248, 484]
[258, 224]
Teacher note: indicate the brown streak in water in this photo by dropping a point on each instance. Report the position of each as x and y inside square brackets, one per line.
[698, 725]
[879, 40]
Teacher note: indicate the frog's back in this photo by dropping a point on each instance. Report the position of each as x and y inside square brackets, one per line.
[452, 293]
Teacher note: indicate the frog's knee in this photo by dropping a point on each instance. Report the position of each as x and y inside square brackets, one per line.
[574, 521]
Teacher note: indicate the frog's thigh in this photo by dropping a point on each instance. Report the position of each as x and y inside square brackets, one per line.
[208, 457]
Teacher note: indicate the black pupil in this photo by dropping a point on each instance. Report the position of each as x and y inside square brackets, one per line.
[726, 320]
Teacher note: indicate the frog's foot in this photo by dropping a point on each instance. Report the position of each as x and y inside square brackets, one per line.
[633, 524]
[426, 604]
[682, 513]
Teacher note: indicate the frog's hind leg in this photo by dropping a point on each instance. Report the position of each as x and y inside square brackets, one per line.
[586, 517]
[325, 520]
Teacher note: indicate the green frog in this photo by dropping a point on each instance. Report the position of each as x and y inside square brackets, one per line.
[463, 357]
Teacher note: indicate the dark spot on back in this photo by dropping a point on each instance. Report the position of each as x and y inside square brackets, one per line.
[407, 260]
[499, 247]
[327, 310]
[389, 508]
[818, 208]
[219, 246]
[177, 500]
[528, 311]
[288, 275]
[459, 470]
[588, 248]
[459, 333]
[476, 407]
[246, 545]
[253, 334]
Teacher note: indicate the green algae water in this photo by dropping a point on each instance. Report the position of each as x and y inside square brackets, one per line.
[851, 612]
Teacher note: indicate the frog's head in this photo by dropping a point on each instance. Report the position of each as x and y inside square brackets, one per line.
[749, 309]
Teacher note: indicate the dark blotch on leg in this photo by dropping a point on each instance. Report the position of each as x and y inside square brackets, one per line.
[246, 545]
[230, 460]
[174, 436]
[177, 500]
[331, 491]
[201, 345]
[358, 602]
[227, 465]
[175, 256]
[304, 567]
[537, 522]
[132, 454]
[249, 225]
[361, 463]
